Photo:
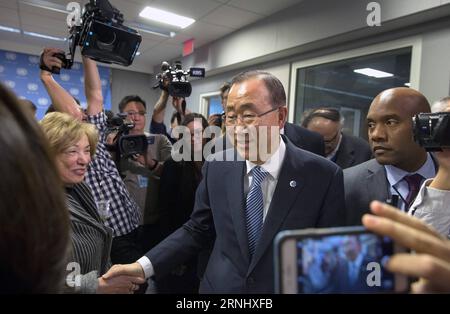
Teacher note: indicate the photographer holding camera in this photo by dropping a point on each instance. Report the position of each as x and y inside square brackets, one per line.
[173, 82]
[432, 202]
[141, 172]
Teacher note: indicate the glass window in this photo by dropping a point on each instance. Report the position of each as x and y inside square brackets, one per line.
[351, 85]
[214, 105]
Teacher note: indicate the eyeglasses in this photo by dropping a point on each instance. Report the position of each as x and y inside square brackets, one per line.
[134, 113]
[247, 119]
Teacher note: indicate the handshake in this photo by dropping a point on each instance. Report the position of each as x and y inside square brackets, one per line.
[121, 279]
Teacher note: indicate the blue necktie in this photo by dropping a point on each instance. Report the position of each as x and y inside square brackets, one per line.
[255, 208]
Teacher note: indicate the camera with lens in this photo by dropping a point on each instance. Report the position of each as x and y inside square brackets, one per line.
[102, 36]
[178, 84]
[125, 145]
[432, 130]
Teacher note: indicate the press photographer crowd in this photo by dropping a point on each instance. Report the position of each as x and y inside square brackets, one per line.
[241, 202]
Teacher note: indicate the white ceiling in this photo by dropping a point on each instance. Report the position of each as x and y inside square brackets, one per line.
[214, 19]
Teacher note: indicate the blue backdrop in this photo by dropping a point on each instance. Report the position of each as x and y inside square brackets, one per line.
[20, 72]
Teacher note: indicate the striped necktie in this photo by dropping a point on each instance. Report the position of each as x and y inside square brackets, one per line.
[255, 208]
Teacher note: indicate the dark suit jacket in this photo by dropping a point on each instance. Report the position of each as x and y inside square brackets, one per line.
[218, 217]
[305, 139]
[352, 151]
[364, 183]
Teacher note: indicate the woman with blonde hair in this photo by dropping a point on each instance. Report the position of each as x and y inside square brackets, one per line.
[73, 143]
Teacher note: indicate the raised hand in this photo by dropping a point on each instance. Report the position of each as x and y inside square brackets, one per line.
[431, 261]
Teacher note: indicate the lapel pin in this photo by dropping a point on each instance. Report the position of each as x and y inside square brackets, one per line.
[293, 184]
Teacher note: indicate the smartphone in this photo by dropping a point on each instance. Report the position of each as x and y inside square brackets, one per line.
[335, 260]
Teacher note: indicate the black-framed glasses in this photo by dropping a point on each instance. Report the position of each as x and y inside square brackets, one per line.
[134, 113]
[247, 119]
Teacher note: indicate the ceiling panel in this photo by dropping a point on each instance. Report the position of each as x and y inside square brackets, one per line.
[231, 17]
[9, 17]
[12, 4]
[191, 8]
[263, 7]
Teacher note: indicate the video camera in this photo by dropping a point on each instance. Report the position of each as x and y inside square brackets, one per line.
[179, 85]
[125, 145]
[102, 37]
[432, 130]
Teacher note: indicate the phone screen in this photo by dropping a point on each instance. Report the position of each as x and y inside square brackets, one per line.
[339, 263]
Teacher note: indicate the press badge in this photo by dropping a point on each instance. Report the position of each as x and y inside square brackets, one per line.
[150, 140]
[142, 181]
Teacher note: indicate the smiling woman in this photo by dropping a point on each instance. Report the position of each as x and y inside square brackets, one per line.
[73, 144]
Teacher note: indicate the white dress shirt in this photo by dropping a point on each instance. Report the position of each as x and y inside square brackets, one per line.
[268, 185]
[272, 166]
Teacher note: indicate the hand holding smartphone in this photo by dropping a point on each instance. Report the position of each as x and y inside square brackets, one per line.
[335, 260]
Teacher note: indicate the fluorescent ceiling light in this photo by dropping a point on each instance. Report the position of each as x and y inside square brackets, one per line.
[166, 17]
[151, 29]
[408, 84]
[44, 36]
[373, 73]
[9, 29]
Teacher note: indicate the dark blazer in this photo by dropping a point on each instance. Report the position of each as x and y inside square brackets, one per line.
[352, 151]
[316, 200]
[364, 183]
[305, 139]
[91, 239]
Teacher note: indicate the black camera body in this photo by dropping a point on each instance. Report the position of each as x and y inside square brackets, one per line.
[125, 145]
[102, 37]
[178, 85]
[432, 130]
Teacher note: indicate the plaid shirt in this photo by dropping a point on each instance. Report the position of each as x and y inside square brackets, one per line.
[106, 184]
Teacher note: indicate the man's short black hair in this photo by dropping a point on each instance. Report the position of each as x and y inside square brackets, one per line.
[127, 99]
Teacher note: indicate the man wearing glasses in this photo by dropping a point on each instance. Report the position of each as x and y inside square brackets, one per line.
[141, 173]
[343, 149]
[242, 204]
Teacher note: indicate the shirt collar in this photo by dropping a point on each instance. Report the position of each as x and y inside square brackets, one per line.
[273, 164]
[395, 175]
[333, 153]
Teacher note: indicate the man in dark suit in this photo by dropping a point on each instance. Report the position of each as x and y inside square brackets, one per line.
[400, 164]
[241, 205]
[343, 149]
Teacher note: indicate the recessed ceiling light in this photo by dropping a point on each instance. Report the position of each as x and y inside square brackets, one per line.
[44, 36]
[373, 73]
[166, 17]
[408, 84]
[9, 29]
